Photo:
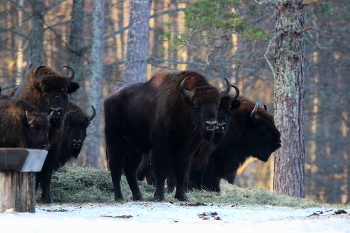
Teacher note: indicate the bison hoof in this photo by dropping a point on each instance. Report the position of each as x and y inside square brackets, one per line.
[138, 198]
[159, 197]
[181, 197]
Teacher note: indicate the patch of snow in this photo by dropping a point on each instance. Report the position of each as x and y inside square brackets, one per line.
[166, 217]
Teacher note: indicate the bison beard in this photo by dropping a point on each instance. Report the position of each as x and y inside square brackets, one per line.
[167, 116]
[252, 132]
[48, 91]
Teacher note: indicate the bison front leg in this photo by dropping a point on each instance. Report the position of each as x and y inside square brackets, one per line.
[161, 162]
[181, 169]
[44, 176]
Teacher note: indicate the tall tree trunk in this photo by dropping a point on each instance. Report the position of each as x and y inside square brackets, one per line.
[137, 45]
[95, 88]
[19, 45]
[37, 34]
[75, 47]
[289, 99]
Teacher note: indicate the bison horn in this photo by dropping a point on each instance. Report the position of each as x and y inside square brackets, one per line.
[72, 72]
[93, 113]
[29, 118]
[254, 116]
[183, 90]
[237, 93]
[227, 89]
[51, 114]
[36, 71]
[265, 107]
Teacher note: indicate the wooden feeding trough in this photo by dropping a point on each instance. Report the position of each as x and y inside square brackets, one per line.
[17, 177]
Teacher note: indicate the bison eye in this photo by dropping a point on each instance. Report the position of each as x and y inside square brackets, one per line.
[196, 106]
[264, 125]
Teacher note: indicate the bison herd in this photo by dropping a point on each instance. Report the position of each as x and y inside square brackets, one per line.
[175, 128]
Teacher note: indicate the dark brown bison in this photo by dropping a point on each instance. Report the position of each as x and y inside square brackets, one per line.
[48, 90]
[74, 133]
[167, 116]
[22, 125]
[252, 132]
[200, 159]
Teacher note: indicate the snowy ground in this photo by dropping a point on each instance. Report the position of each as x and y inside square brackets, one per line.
[167, 217]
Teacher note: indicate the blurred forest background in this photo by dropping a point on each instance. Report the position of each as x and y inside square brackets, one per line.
[65, 34]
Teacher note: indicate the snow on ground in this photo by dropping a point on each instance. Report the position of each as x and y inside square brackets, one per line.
[167, 217]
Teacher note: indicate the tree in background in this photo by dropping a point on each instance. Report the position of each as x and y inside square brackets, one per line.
[76, 50]
[138, 39]
[95, 89]
[36, 41]
[289, 98]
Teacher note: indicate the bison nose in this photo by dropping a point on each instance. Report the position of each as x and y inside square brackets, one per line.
[77, 143]
[56, 111]
[210, 125]
[45, 146]
[221, 127]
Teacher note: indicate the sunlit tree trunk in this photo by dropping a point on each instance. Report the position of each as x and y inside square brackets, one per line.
[37, 33]
[137, 45]
[289, 98]
[95, 88]
[75, 47]
[19, 46]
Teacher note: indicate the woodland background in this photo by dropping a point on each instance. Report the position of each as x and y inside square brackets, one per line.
[327, 69]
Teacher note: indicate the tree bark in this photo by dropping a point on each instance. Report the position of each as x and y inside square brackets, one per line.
[137, 45]
[17, 191]
[95, 90]
[76, 49]
[289, 99]
[37, 34]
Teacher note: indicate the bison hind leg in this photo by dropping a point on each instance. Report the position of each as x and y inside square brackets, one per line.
[132, 162]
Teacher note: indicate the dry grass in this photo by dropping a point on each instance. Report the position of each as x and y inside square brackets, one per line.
[77, 184]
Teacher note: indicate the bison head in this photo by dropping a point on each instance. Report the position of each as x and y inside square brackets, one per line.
[54, 89]
[204, 102]
[38, 126]
[75, 130]
[227, 104]
[265, 138]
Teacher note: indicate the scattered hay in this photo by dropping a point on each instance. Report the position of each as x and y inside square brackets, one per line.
[78, 184]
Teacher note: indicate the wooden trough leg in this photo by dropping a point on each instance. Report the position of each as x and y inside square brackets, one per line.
[17, 190]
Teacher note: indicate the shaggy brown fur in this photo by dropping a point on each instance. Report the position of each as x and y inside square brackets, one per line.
[49, 93]
[22, 125]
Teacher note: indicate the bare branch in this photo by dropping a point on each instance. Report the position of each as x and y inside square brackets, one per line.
[270, 65]
[309, 2]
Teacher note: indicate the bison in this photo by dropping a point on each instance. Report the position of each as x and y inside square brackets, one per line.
[22, 125]
[167, 116]
[48, 90]
[252, 132]
[74, 133]
[200, 159]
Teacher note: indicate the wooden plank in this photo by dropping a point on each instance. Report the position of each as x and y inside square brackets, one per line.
[12, 159]
[22, 159]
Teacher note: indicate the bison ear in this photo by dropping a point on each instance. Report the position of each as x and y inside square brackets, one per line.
[73, 87]
[235, 104]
